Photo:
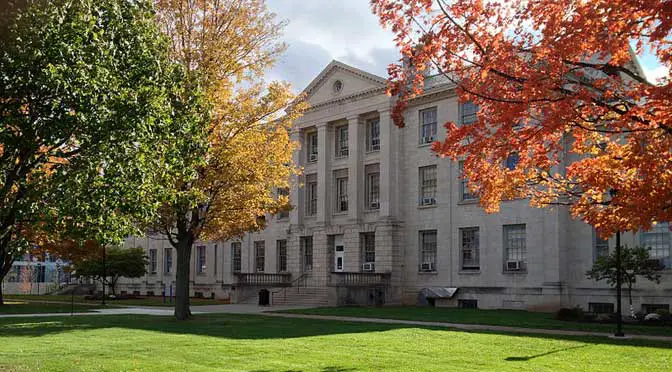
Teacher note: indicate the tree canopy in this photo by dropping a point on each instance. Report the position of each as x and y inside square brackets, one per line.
[239, 152]
[119, 263]
[85, 134]
[559, 89]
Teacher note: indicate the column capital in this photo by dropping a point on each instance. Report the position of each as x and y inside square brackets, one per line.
[321, 125]
[351, 118]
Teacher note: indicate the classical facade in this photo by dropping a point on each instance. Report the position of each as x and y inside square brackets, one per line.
[380, 219]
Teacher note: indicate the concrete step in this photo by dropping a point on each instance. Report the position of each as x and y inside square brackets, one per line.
[302, 296]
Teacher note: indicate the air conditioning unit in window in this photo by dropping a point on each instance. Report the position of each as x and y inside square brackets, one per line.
[375, 147]
[312, 157]
[369, 267]
[513, 265]
[427, 267]
[428, 139]
[428, 201]
[374, 205]
[343, 152]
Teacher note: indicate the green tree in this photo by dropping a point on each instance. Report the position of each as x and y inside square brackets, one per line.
[634, 262]
[126, 263]
[86, 92]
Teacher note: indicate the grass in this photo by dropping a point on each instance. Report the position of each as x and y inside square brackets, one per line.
[23, 307]
[226, 342]
[512, 318]
[143, 301]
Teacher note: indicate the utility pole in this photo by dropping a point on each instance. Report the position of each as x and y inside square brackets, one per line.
[104, 276]
[619, 279]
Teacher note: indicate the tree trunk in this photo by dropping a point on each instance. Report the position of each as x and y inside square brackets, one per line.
[1, 300]
[6, 261]
[184, 243]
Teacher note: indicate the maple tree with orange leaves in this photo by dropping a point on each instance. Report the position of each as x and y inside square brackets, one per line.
[558, 85]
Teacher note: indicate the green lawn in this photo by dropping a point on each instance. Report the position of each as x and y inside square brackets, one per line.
[258, 343]
[22, 307]
[513, 318]
[144, 301]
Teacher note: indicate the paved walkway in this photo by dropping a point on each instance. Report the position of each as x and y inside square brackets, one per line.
[271, 311]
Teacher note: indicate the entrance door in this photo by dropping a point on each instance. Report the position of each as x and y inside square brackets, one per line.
[339, 258]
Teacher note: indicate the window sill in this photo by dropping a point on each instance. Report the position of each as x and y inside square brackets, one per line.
[428, 272]
[344, 213]
[425, 144]
[469, 272]
[427, 206]
[468, 202]
[340, 157]
[371, 210]
[369, 152]
[514, 272]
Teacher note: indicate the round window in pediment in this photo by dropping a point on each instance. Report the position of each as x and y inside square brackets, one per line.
[338, 86]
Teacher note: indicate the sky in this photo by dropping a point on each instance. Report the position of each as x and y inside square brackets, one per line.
[322, 30]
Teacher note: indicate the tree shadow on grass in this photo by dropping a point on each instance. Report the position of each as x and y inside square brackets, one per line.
[325, 369]
[250, 327]
[529, 357]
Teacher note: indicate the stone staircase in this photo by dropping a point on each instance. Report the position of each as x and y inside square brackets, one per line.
[300, 296]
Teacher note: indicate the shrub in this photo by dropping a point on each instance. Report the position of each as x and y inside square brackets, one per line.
[565, 313]
[664, 314]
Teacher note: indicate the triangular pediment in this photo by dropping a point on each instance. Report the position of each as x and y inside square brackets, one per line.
[338, 81]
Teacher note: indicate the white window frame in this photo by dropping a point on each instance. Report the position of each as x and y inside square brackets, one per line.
[470, 246]
[427, 186]
[306, 246]
[153, 254]
[311, 195]
[465, 193]
[168, 260]
[372, 187]
[236, 257]
[259, 256]
[428, 250]
[369, 248]
[341, 192]
[373, 135]
[658, 241]
[468, 113]
[341, 145]
[428, 125]
[515, 245]
[600, 246]
[281, 249]
[312, 147]
[201, 257]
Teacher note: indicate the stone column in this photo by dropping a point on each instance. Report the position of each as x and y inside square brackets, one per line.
[298, 208]
[323, 178]
[355, 170]
[388, 179]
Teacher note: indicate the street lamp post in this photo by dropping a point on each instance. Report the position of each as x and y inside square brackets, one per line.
[104, 276]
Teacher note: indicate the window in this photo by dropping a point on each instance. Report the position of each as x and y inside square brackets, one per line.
[236, 257]
[373, 135]
[311, 147]
[428, 125]
[601, 307]
[652, 308]
[311, 195]
[428, 185]
[428, 251]
[215, 260]
[200, 259]
[284, 192]
[341, 141]
[465, 192]
[259, 256]
[281, 246]
[372, 172]
[515, 249]
[307, 253]
[469, 113]
[368, 250]
[470, 248]
[512, 161]
[168, 260]
[467, 304]
[341, 177]
[600, 246]
[657, 241]
[152, 261]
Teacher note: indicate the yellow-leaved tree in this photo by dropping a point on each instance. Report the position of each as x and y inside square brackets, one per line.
[236, 149]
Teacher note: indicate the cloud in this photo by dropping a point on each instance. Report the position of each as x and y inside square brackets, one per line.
[375, 61]
[300, 64]
[654, 74]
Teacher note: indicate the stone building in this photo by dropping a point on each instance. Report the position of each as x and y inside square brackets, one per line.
[380, 219]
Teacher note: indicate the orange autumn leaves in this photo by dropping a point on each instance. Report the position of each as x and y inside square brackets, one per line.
[558, 86]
